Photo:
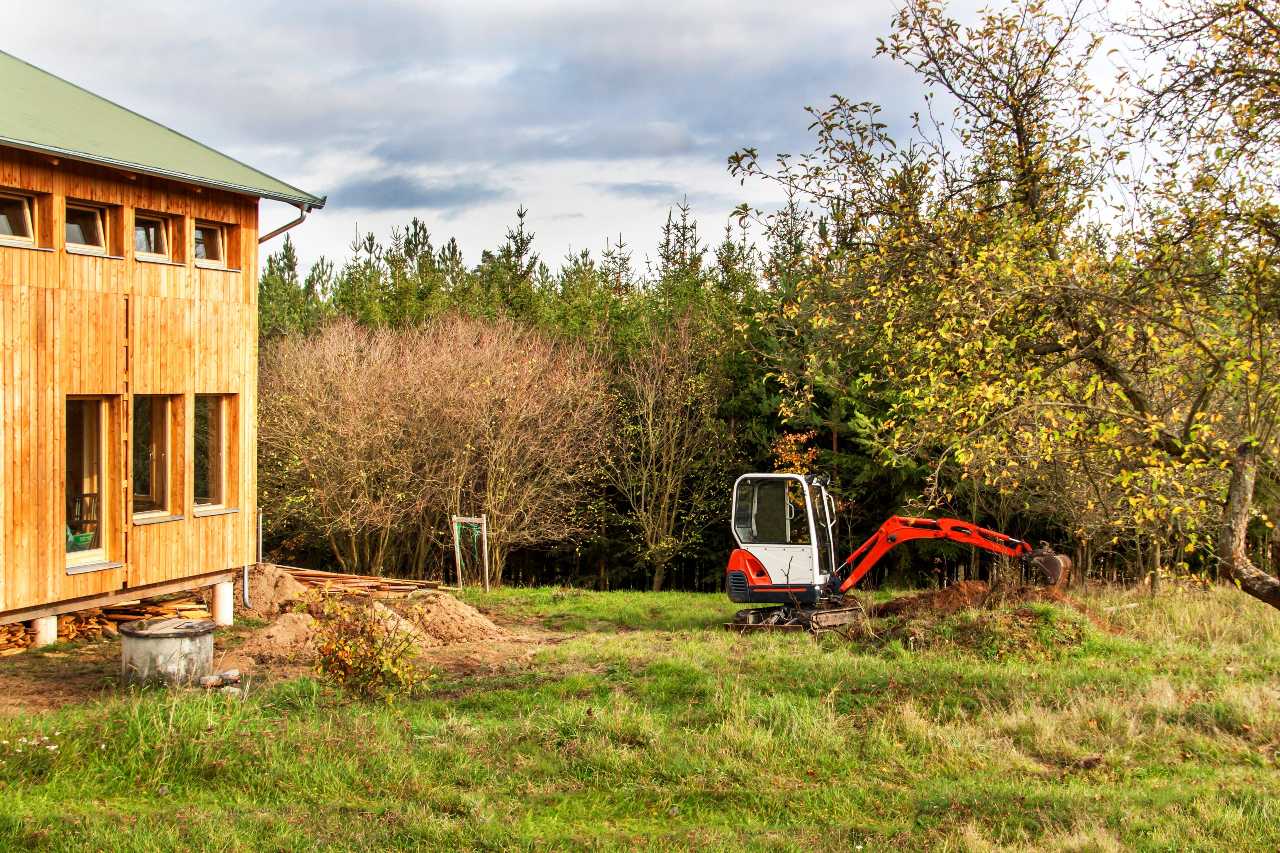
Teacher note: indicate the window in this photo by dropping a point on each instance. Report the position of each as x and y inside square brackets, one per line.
[85, 232]
[16, 225]
[771, 511]
[87, 493]
[210, 245]
[151, 237]
[151, 454]
[212, 443]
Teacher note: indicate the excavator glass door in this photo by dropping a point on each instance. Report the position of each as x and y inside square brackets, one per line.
[824, 525]
[773, 520]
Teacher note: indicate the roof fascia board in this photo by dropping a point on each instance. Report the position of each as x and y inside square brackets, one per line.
[314, 202]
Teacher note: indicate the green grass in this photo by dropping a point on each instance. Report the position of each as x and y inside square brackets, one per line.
[651, 727]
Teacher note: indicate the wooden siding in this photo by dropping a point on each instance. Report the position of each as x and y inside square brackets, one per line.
[73, 324]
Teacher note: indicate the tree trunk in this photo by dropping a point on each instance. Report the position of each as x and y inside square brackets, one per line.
[1233, 543]
[659, 576]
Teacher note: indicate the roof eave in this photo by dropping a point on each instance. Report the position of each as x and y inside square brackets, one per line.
[300, 199]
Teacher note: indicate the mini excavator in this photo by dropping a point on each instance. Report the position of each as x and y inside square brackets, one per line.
[784, 526]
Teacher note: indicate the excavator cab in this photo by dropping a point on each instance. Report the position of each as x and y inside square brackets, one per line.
[784, 528]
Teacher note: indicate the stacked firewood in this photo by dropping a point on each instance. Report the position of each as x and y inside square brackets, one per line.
[85, 625]
[14, 638]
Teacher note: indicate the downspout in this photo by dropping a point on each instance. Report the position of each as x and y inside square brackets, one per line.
[303, 210]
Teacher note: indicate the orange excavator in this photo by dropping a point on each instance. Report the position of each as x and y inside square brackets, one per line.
[784, 526]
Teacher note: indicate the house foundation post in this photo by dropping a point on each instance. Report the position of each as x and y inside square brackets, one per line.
[46, 629]
[224, 604]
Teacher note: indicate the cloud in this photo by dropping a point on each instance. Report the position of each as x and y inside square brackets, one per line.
[651, 190]
[408, 192]
[592, 113]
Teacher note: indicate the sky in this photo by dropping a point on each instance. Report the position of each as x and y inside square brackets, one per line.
[597, 116]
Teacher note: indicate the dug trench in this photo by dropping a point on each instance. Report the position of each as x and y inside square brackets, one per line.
[273, 640]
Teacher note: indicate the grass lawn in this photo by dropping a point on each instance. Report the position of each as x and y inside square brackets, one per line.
[651, 727]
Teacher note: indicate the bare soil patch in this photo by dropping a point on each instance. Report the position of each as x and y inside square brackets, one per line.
[450, 635]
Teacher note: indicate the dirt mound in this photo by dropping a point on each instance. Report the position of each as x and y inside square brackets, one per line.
[432, 619]
[969, 595]
[288, 637]
[446, 620]
[936, 602]
[272, 591]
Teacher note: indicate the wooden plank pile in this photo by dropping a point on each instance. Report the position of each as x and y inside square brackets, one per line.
[185, 605]
[373, 587]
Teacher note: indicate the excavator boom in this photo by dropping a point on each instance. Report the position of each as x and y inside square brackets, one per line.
[899, 529]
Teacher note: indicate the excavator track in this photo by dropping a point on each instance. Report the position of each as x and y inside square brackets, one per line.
[815, 620]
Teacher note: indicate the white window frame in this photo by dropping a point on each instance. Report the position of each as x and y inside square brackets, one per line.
[29, 209]
[212, 263]
[100, 214]
[166, 237]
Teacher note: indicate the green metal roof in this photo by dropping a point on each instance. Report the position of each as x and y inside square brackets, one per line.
[41, 112]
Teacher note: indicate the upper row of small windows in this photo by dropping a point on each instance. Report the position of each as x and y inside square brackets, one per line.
[86, 231]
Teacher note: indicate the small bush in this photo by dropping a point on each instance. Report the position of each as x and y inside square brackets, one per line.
[365, 648]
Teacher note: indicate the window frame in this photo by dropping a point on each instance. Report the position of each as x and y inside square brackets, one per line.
[222, 501]
[29, 209]
[219, 263]
[166, 236]
[162, 461]
[101, 554]
[100, 213]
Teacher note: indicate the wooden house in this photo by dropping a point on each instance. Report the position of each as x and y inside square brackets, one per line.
[128, 353]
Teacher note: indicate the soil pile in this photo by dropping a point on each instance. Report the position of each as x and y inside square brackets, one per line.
[287, 638]
[446, 620]
[935, 602]
[433, 620]
[967, 595]
[272, 591]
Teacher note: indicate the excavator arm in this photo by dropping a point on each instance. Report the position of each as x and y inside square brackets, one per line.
[899, 529]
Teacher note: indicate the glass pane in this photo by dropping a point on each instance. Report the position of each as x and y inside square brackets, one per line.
[14, 221]
[208, 246]
[150, 453]
[84, 227]
[209, 444]
[148, 237]
[771, 512]
[84, 475]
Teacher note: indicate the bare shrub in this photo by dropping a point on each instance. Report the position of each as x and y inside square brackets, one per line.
[667, 466]
[369, 439]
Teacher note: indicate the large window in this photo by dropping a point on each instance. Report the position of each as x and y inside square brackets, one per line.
[87, 494]
[152, 443]
[212, 450]
[86, 230]
[17, 225]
